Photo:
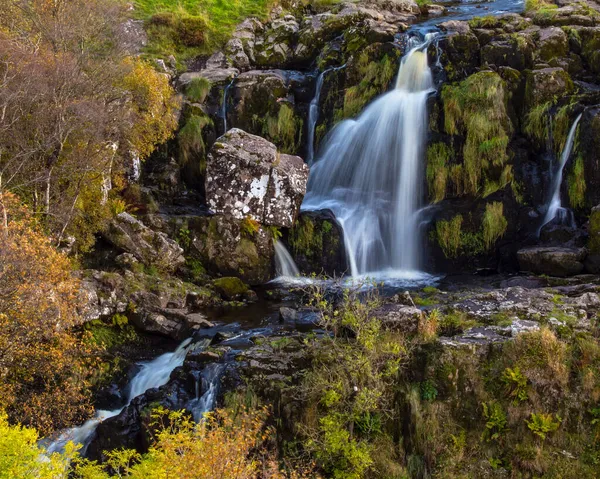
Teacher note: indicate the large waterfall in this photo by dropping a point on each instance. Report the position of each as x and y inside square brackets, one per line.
[370, 173]
[554, 208]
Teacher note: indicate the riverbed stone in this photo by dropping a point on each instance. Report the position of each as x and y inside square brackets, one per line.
[553, 261]
[545, 84]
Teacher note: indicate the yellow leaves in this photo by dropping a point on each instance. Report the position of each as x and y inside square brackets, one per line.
[154, 106]
[43, 379]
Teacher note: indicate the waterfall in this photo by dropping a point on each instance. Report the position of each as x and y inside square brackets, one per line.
[313, 114]
[284, 263]
[224, 105]
[211, 376]
[554, 207]
[152, 374]
[370, 173]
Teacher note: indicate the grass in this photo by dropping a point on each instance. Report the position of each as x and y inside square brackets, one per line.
[187, 28]
[476, 109]
[494, 224]
[438, 156]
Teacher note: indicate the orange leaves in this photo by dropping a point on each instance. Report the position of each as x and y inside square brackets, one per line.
[41, 360]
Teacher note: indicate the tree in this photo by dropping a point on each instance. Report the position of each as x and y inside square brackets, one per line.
[74, 108]
[44, 368]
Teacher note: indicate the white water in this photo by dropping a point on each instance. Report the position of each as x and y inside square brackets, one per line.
[224, 105]
[153, 374]
[313, 114]
[370, 174]
[554, 208]
[209, 381]
[284, 263]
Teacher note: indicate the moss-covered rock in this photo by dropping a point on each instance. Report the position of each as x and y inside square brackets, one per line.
[514, 50]
[226, 248]
[317, 244]
[460, 55]
[230, 288]
[547, 84]
[552, 43]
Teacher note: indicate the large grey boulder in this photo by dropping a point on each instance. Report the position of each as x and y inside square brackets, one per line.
[247, 177]
[553, 261]
[399, 317]
[130, 235]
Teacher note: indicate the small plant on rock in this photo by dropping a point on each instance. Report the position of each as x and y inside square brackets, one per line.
[495, 421]
[542, 424]
[515, 384]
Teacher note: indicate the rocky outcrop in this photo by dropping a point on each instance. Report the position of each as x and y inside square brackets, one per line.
[130, 235]
[247, 178]
[553, 261]
[399, 317]
[164, 306]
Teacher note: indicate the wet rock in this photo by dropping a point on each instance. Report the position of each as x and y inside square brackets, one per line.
[156, 323]
[246, 177]
[553, 261]
[130, 235]
[316, 243]
[287, 314]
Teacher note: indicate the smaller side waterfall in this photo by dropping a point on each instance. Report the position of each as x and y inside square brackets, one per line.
[224, 105]
[284, 263]
[153, 374]
[554, 206]
[209, 380]
[313, 114]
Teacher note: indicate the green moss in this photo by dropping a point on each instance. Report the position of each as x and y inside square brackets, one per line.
[560, 127]
[494, 223]
[249, 227]
[489, 21]
[375, 78]
[230, 287]
[111, 333]
[594, 231]
[576, 184]
[198, 89]
[476, 109]
[438, 157]
[285, 129]
[191, 140]
[305, 238]
[537, 122]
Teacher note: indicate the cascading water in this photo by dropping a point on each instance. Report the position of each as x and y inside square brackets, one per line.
[151, 375]
[224, 105]
[209, 380]
[554, 208]
[370, 173]
[284, 263]
[313, 114]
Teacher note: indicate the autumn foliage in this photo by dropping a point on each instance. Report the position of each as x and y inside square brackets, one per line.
[43, 373]
[75, 108]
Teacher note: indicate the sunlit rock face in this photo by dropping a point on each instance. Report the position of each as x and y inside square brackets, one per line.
[247, 177]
